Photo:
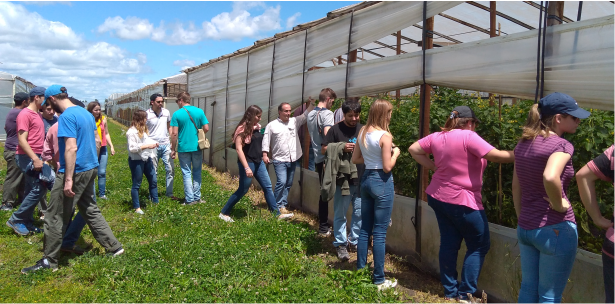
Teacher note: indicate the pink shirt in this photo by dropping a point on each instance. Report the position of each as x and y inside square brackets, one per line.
[31, 122]
[603, 166]
[51, 150]
[458, 154]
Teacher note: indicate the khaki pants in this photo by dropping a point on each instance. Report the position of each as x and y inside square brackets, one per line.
[60, 211]
[13, 183]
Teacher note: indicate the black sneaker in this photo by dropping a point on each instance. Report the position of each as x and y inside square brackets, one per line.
[6, 207]
[40, 264]
[342, 253]
[324, 231]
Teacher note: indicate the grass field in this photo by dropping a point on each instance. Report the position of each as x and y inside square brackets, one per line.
[180, 253]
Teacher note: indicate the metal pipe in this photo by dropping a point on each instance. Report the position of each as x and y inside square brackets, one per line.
[228, 69]
[348, 56]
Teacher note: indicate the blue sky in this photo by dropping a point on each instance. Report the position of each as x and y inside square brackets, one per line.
[99, 48]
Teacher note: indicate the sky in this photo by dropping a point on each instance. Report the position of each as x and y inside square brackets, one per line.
[95, 49]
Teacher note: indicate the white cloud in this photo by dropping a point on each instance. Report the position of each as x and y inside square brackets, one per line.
[183, 62]
[46, 3]
[132, 28]
[234, 25]
[292, 21]
[47, 52]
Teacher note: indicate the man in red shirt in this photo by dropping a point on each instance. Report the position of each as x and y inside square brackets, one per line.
[31, 136]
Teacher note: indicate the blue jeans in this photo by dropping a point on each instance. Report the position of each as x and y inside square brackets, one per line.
[191, 164]
[73, 231]
[164, 152]
[607, 272]
[260, 173]
[457, 223]
[34, 190]
[311, 161]
[285, 173]
[377, 195]
[137, 169]
[340, 207]
[547, 256]
[103, 158]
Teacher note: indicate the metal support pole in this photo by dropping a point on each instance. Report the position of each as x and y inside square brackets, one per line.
[228, 69]
[306, 143]
[348, 56]
[271, 82]
[213, 128]
[492, 24]
[580, 10]
[247, 74]
[398, 51]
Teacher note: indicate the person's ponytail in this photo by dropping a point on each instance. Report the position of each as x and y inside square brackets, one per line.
[537, 124]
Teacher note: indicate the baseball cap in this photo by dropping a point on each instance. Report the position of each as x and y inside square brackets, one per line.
[465, 112]
[54, 90]
[76, 102]
[560, 103]
[20, 97]
[154, 96]
[37, 91]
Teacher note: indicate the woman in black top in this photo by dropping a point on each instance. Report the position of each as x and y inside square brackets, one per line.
[248, 142]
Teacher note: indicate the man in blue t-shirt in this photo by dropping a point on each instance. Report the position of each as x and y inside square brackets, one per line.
[185, 141]
[77, 142]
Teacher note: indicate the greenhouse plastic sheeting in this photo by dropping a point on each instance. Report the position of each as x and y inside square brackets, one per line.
[579, 62]
[259, 80]
[236, 104]
[219, 111]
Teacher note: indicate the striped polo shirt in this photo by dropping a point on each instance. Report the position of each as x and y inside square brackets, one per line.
[531, 158]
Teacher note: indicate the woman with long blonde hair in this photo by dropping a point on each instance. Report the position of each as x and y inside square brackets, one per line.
[546, 226]
[377, 152]
[103, 155]
[454, 193]
[141, 159]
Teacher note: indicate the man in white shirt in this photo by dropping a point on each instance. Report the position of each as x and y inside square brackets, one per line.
[159, 127]
[319, 122]
[281, 140]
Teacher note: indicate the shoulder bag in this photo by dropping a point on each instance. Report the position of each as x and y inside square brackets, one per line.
[203, 142]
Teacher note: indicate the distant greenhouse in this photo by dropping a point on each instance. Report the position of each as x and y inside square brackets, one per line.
[9, 85]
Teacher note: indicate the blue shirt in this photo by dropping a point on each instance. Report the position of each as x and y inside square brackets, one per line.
[77, 122]
[188, 139]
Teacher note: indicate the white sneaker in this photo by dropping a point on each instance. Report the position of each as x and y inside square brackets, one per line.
[285, 216]
[387, 284]
[139, 211]
[226, 218]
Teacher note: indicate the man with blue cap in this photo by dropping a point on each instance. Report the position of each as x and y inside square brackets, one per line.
[13, 182]
[74, 182]
[30, 136]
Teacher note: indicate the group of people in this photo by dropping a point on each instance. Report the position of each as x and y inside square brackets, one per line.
[354, 164]
[547, 231]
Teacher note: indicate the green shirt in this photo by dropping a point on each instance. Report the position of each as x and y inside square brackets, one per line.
[188, 139]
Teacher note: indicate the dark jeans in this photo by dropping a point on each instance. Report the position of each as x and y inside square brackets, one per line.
[285, 173]
[34, 190]
[377, 195]
[73, 231]
[607, 271]
[61, 208]
[459, 223]
[137, 169]
[13, 182]
[261, 175]
[103, 157]
[323, 206]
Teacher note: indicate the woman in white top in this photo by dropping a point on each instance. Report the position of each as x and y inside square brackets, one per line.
[376, 151]
[141, 159]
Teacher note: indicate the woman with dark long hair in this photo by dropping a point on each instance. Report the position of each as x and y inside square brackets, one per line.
[248, 142]
[377, 152]
[141, 159]
[454, 193]
[546, 227]
[103, 155]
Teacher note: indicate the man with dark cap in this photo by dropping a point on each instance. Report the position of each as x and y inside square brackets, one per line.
[74, 184]
[30, 138]
[13, 183]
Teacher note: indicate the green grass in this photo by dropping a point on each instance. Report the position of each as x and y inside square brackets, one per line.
[180, 253]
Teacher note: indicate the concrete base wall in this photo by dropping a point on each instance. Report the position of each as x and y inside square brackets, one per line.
[501, 273]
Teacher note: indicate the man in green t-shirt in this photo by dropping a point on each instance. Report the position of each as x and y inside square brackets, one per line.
[185, 141]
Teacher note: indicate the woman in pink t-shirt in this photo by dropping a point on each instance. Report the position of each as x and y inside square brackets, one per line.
[454, 193]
